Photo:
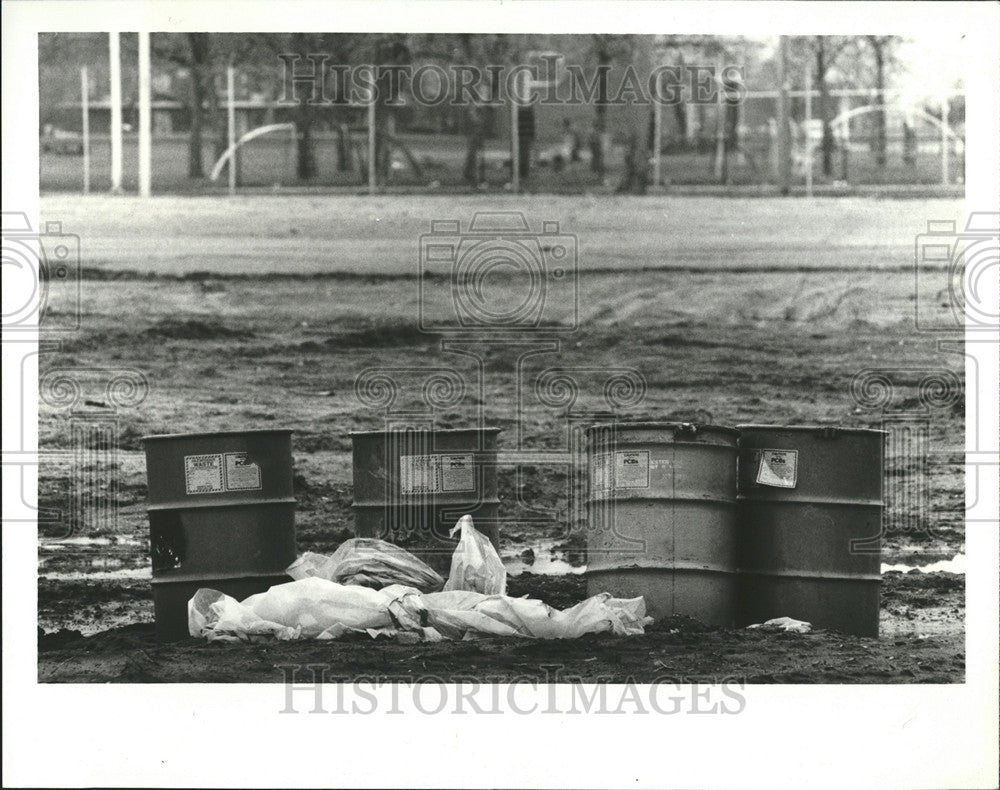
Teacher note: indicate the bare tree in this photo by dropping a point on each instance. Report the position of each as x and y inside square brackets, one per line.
[881, 47]
[826, 51]
[821, 55]
[636, 176]
[193, 53]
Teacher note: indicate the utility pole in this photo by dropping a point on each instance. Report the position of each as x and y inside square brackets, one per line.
[115, 71]
[231, 119]
[372, 148]
[145, 118]
[809, 144]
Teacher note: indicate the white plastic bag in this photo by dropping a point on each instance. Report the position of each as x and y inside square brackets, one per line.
[367, 562]
[475, 565]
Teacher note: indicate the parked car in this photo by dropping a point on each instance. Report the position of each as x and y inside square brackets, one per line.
[61, 141]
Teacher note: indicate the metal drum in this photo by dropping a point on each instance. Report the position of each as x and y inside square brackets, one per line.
[412, 486]
[661, 517]
[221, 515]
[810, 526]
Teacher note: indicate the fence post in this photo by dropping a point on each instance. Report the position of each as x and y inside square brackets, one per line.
[720, 130]
[784, 132]
[372, 143]
[231, 121]
[115, 71]
[809, 142]
[657, 138]
[515, 139]
[845, 136]
[145, 118]
[85, 126]
[945, 174]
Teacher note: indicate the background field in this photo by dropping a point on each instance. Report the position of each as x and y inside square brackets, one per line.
[262, 312]
[268, 162]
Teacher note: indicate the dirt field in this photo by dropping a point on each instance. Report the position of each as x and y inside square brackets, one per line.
[262, 313]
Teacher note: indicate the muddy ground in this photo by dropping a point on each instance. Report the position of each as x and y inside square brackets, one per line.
[251, 318]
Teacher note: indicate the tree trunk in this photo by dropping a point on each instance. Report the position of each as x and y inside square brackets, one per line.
[880, 142]
[305, 167]
[824, 107]
[200, 44]
[474, 146]
[636, 177]
[597, 135]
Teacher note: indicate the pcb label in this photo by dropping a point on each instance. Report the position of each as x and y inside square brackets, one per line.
[623, 469]
[242, 474]
[778, 468]
[203, 474]
[436, 474]
[632, 469]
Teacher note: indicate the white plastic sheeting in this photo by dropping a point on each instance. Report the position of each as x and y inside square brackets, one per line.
[318, 606]
[315, 608]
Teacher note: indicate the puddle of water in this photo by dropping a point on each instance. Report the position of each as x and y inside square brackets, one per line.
[955, 565]
[548, 561]
[77, 541]
[122, 574]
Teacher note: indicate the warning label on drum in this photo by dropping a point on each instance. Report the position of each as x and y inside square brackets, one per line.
[436, 474]
[632, 469]
[629, 469]
[203, 474]
[242, 474]
[778, 468]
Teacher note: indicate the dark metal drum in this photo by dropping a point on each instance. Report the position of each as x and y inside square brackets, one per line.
[412, 486]
[221, 515]
[810, 525]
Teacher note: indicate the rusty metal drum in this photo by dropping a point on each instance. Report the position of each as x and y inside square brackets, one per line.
[221, 515]
[661, 517]
[411, 486]
[810, 513]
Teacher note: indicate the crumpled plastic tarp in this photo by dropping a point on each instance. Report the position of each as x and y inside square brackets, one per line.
[315, 608]
[368, 562]
[318, 606]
